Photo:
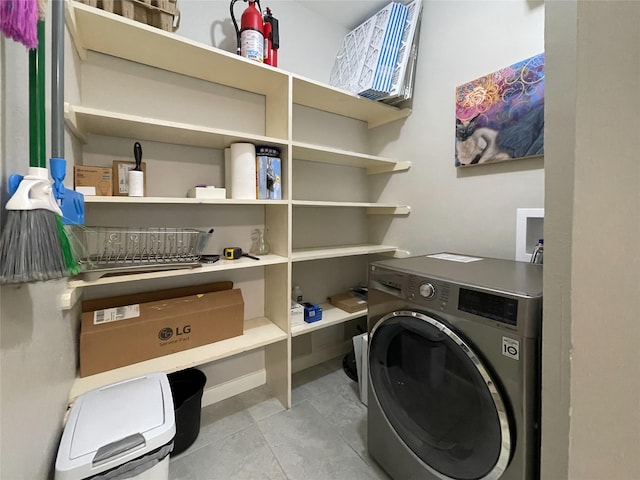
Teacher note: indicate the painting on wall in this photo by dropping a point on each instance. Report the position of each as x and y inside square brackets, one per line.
[501, 116]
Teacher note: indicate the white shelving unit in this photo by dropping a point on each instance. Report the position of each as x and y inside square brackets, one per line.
[135, 46]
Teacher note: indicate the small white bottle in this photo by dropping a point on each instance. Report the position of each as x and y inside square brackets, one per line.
[296, 294]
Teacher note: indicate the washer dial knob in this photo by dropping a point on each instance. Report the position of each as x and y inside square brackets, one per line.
[427, 290]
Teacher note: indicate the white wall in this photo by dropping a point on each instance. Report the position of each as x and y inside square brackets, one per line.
[473, 209]
[591, 363]
[308, 41]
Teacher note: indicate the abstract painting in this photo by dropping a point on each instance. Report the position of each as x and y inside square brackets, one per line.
[501, 116]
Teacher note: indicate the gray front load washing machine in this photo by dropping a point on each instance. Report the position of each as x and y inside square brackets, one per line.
[454, 368]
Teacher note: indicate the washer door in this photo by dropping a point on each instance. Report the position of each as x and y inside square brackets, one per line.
[438, 397]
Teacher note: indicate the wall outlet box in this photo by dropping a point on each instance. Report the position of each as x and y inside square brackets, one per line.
[529, 229]
[207, 192]
[93, 180]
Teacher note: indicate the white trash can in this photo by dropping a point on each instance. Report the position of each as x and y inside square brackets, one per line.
[123, 430]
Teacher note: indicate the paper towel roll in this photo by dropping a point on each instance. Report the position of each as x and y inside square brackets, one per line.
[243, 171]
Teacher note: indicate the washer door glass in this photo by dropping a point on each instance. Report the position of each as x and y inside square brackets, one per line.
[438, 397]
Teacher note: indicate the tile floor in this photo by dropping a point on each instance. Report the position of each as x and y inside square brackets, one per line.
[251, 436]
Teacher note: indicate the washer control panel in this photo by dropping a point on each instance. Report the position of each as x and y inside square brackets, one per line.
[428, 291]
[512, 310]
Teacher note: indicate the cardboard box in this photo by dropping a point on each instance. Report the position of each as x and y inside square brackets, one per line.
[115, 337]
[297, 314]
[348, 302]
[121, 177]
[155, 295]
[93, 180]
[207, 192]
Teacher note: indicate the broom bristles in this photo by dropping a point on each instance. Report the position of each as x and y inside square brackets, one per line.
[32, 248]
[71, 265]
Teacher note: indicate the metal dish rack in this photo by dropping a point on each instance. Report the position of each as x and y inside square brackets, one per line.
[119, 250]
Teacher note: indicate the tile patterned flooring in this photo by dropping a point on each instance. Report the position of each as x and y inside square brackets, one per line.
[251, 436]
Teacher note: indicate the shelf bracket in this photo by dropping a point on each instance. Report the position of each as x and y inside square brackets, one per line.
[396, 167]
[399, 114]
[400, 210]
[72, 26]
[71, 121]
[398, 254]
[70, 297]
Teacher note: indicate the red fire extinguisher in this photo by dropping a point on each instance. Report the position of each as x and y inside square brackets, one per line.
[258, 37]
[271, 39]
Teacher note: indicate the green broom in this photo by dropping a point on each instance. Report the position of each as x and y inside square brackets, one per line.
[34, 245]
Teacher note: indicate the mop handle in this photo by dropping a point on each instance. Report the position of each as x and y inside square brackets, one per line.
[37, 139]
[57, 79]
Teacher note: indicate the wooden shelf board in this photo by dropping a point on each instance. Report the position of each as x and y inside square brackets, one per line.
[301, 255]
[111, 34]
[330, 316]
[219, 266]
[258, 332]
[317, 95]
[74, 286]
[178, 200]
[86, 120]
[372, 208]
[335, 156]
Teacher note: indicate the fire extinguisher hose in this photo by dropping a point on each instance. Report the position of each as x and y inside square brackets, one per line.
[235, 25]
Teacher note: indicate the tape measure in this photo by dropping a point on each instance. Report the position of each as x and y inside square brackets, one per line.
[234, 253]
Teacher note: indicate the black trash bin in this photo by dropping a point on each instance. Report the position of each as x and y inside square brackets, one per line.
[186, 388]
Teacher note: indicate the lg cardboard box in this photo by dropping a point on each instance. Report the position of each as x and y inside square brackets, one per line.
[154, 295]
[119, 336]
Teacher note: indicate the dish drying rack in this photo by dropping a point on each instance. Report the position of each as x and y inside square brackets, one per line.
[107, 250]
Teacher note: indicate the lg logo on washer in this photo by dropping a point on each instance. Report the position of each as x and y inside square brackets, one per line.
[511, 348]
